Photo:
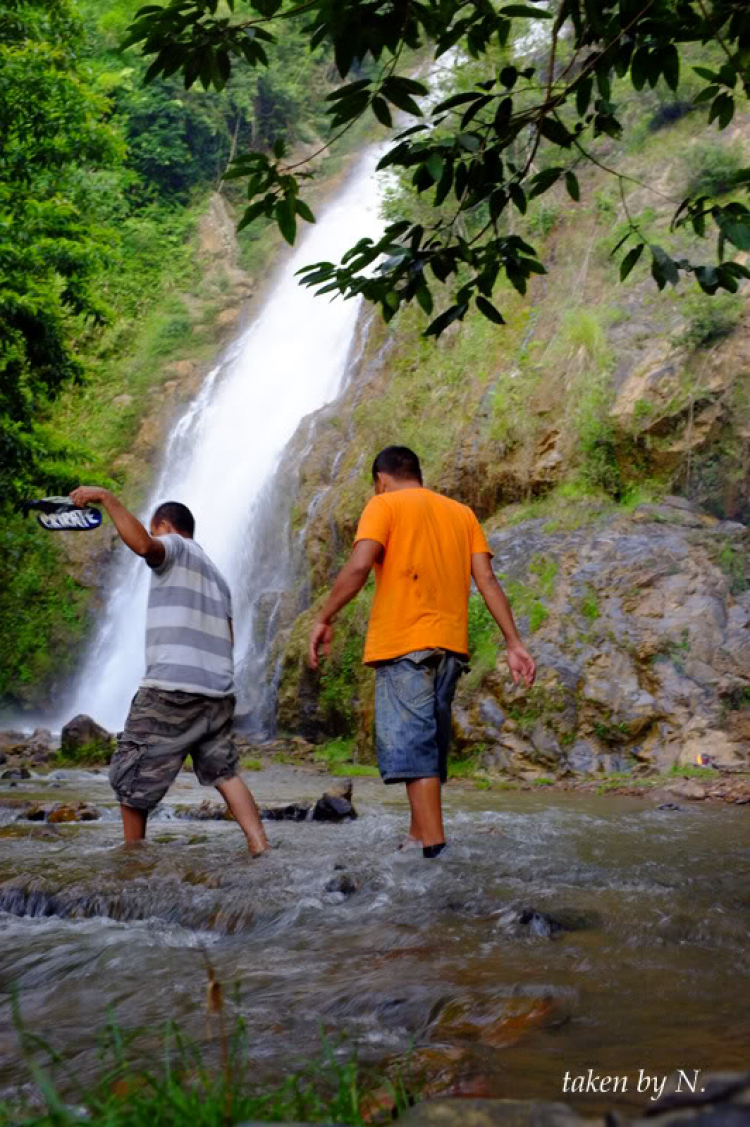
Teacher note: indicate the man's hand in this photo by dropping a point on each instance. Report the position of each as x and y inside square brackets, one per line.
[88, 494]
[522, 665]
[321, 635]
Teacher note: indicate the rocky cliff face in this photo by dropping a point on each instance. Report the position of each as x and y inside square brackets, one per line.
[602, 436]
[642, 639]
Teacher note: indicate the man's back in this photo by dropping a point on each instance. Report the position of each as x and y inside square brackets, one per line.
[188, 633]
[423, 580]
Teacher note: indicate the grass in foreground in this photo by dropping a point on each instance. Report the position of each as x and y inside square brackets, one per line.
[190, 1084]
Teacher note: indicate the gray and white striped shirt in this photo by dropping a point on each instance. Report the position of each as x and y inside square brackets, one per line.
[188, 637]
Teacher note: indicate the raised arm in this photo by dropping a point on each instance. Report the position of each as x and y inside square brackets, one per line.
[520, 662]
[129, 528]
[349, 582]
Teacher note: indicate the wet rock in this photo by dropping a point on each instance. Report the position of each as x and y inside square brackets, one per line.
[73, 812]
[16, 773]
[293, 812]
[528, 921]
[342, 788]
[335, 805]
[668, 806]
[82, 738]
[3, 758]
[34, 813]
[344, 883]
[205, 811]
[687, 788]
[331, 808]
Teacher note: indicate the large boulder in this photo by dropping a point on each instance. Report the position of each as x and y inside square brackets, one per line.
[640, 625]
[84, 741]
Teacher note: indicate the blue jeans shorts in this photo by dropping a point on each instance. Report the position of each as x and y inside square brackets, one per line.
[413, 698]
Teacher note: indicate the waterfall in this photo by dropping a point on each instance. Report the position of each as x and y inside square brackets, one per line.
[223, 453]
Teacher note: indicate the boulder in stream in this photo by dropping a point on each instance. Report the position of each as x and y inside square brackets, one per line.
[85, 741]
[16, 773]
[336, 804]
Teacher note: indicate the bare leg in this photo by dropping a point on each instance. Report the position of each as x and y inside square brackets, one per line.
[133, 824]
[426, 810]
[242, 804]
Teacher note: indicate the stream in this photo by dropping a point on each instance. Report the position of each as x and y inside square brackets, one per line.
[425, 962]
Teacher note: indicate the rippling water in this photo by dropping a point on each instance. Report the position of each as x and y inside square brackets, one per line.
[651, 969]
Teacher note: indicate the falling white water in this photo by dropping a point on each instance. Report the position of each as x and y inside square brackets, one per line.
[224, 450]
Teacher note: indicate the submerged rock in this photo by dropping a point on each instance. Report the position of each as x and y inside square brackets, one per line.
[344, 883]
[293, 812]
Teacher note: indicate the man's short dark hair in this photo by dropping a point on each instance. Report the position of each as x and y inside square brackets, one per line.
[399, 462]
[178, 515]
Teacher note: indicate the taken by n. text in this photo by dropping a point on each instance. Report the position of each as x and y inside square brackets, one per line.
[591, 1082]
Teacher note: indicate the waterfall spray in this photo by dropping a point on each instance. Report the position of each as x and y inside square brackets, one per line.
[226, 447]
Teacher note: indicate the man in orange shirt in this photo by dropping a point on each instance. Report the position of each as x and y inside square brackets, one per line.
[425, 549]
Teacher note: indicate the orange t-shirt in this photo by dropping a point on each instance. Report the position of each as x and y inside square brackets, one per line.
[422, 584]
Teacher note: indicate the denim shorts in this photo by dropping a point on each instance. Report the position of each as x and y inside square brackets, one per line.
[413, 698]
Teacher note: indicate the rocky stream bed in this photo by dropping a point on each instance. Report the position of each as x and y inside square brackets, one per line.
[561, 932]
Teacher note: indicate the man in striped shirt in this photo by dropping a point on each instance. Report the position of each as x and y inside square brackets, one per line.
[185, 703]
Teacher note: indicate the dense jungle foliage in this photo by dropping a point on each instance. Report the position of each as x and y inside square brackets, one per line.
[101, 181]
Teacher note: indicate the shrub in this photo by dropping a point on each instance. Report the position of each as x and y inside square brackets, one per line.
[709, 319]
[712, 168]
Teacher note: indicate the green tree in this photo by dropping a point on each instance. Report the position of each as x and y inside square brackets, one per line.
[483, 151]
[50, 248]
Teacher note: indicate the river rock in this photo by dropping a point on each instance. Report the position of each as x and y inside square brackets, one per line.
[3, 758]
[16, 773]
[335, 805]
[73, 812]
[344, 883]
[293, 812]
[686, 788]
[83, 737]
[205, 811]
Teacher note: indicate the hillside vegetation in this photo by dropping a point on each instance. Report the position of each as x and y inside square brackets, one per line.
[104, 185]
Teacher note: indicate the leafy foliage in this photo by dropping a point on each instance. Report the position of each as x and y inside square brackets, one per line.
[485, 151]
[50, 249]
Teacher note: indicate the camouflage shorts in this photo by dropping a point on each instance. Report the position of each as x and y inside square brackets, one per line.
[162, 728]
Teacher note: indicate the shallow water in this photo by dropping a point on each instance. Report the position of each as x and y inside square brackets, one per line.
[652, 969]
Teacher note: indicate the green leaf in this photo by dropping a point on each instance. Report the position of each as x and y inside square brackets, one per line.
[347, 91]
[630, 260]
[584, 90]
[381, 111]
[455, 100]
[469, 142]
[554, 131]
[302, 209]
[424, 297]
[284, 213]
[435, 166]
[402, 100]
[670, 66]
[525, 10]
[488, 309]
[544, 180]
[723, 109]
[251, 213]
[440, 324]
[571, 183]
